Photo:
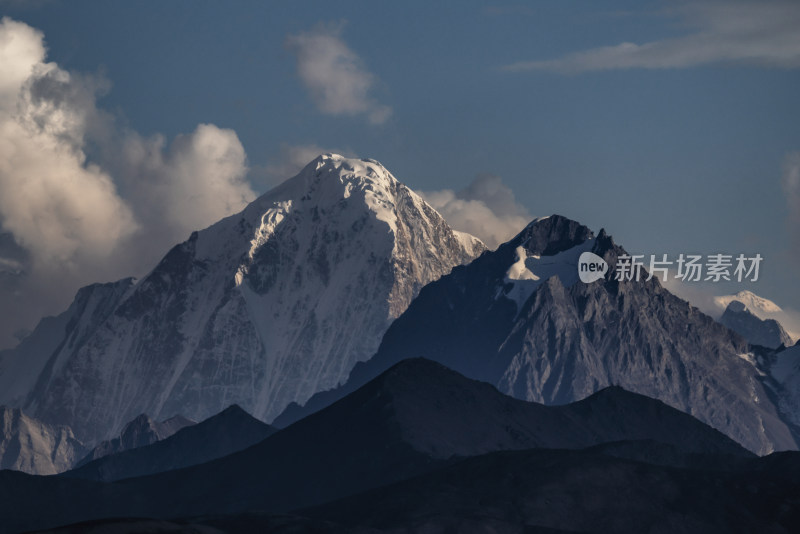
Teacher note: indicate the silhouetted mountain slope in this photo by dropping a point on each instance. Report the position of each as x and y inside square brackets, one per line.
[578, 491]
[140, 432]
[243, 524]
[670, 455]
[225, 433]
[414, 418]
[238, 524]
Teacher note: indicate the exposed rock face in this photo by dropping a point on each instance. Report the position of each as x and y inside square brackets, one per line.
[23, 366]
[782, 371]
[765, 332]
[36, 448]
[264, 308]
[519, 318]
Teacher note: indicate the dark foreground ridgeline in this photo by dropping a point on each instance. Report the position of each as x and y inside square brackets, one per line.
[425, 449]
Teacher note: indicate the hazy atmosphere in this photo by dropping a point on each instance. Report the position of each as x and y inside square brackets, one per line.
[674, 125]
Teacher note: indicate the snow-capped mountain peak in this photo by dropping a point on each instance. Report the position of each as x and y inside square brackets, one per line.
[765, 332]
[758, 306]
[263, 308]
[759, 320]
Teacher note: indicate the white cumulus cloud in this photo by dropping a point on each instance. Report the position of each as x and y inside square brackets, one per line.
[61, 208]
[21, 49]
[80, 215]
[791, 187]
[486, 208]
[195, 181]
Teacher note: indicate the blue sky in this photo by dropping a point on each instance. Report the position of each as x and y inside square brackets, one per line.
[681, 140]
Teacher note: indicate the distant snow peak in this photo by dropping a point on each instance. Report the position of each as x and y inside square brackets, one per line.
[757, 305]
[765, 332]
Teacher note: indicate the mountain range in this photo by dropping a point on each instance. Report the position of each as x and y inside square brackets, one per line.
[414, 381]
[518, 318]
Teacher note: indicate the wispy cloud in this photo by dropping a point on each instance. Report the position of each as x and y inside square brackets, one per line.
[486, 208]
[743, 32]
[26, 4]
[336, 77]
[791, 187]
[10, 265]
[509, 10]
